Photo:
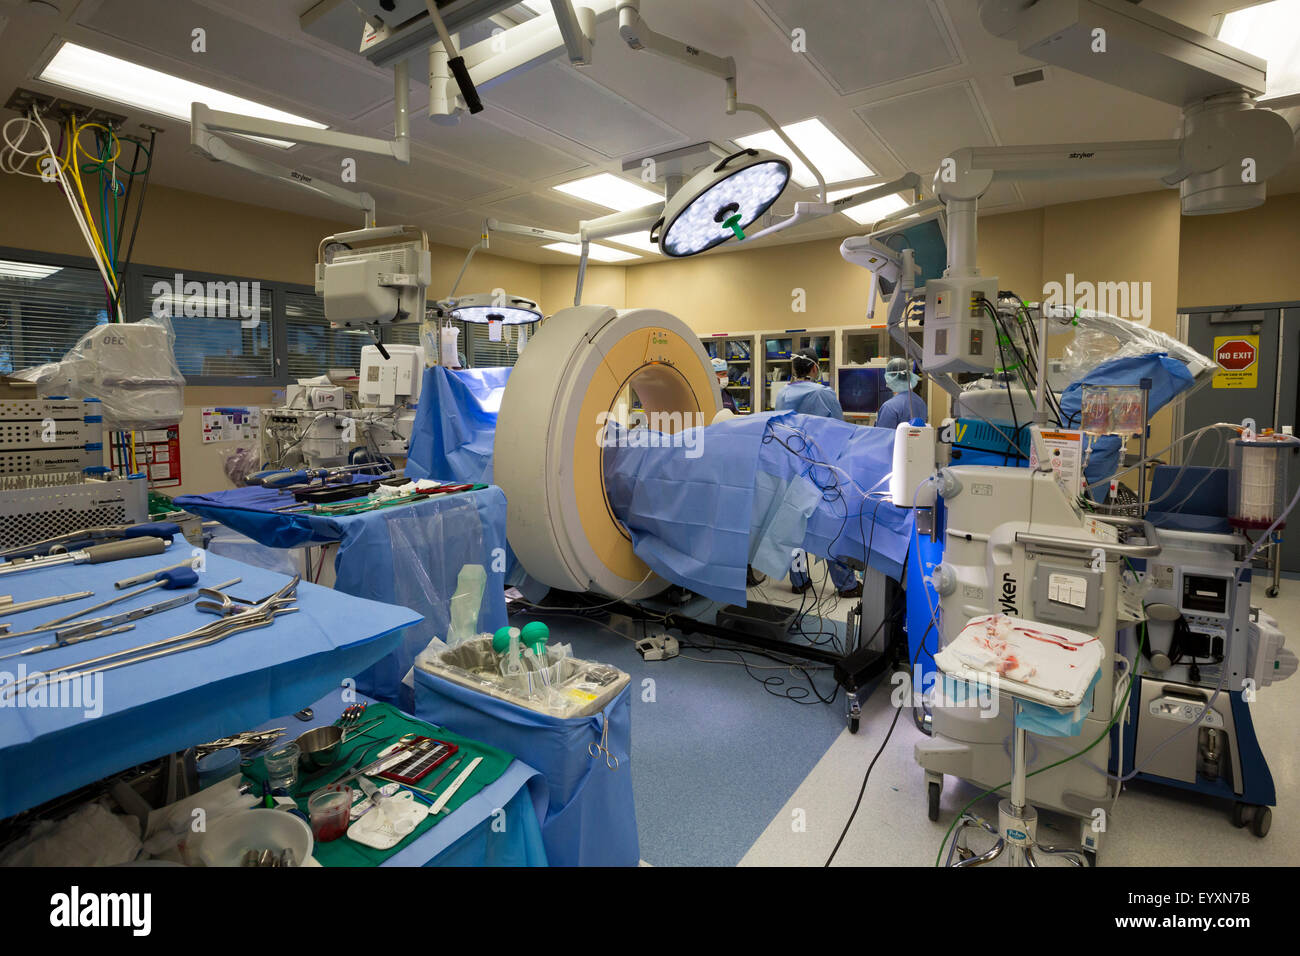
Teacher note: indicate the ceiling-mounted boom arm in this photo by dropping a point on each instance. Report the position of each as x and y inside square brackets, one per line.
[588, 229]
[636, 33]
[205, 123]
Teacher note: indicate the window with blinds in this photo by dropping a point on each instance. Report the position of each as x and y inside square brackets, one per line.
[484, 353]
[44, 310]
[214, 337]
[312, 347]
[411, 335]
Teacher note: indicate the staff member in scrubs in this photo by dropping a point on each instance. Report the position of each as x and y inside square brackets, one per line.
[905, 404]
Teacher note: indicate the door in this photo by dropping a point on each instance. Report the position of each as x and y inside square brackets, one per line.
[1256, 349]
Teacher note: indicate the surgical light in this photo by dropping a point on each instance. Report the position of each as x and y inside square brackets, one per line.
[594, 251]
[108, 77]
[868, 213]
[827, 152]
[610, 191]
[484, 308]
[718, 202]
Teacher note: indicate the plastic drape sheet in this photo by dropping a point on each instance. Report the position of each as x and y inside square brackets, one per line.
[590, 816]
[411, 557]
[455, 424]
[408, 555]
[688, 501]
[750, 490]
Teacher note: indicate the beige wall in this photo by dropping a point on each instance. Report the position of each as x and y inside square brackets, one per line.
[1241, 257]
[740, 291]
[602, 285]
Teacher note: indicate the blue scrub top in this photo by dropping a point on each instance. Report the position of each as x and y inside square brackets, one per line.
[903, 407]
[809, 398]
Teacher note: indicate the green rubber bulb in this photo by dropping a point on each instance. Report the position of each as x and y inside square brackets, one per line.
[535, 634]
[501, 639]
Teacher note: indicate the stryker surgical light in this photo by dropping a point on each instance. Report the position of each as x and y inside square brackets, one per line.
[719, 201]
[485, 308]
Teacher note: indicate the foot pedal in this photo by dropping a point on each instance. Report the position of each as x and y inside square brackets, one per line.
[662, 648]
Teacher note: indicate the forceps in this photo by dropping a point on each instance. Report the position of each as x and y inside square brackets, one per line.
[595, 749]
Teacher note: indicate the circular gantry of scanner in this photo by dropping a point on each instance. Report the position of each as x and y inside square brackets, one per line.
[587, 366]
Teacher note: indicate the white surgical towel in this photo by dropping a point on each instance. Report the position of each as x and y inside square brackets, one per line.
[1056, 662]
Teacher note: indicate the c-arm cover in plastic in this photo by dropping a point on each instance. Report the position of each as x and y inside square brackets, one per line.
[1132, 339]
[704, 503]
[129, 366]
[455, 424]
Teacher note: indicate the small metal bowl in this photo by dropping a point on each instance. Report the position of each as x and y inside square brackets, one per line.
[319, 748]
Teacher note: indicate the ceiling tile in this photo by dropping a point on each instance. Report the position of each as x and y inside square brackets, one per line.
[556, 97]
[923, 127]
[477, 141]
[532, 210]
[256, 60]
[858, 44]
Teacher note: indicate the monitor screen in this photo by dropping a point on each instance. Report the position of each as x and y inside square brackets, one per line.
[929, 249]
[862, 389]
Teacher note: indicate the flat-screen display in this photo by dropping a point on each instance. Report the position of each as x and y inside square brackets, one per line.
[862, 390]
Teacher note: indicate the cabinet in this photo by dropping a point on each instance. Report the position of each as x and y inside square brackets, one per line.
[777, 347]
[740, 351]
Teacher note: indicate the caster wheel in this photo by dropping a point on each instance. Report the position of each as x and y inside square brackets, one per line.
[1272, 591]
[1262, 822]
[932, 791]
[1240, 815]
[853, 724]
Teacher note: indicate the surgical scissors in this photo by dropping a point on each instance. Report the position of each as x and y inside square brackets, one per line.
[595, 749]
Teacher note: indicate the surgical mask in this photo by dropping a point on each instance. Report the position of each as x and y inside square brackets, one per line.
[723, 381]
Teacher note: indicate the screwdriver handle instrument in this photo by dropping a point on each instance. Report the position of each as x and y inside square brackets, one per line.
[170, 580]
[75, 628]
[95, 554]
[148, 576]
[163, 530]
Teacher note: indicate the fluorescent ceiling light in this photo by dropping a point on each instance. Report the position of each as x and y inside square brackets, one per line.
[600, 253]
[826, 150]
[1270, 31]
[107, 77]
[868, 212]
[636, 240]
[610, 191]
[26, 270]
